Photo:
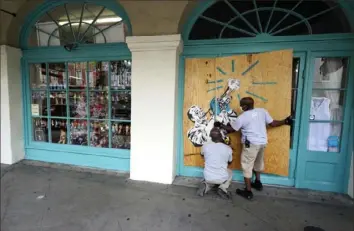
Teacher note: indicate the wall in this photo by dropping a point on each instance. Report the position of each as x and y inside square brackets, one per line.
[148, 17]
[12, 147]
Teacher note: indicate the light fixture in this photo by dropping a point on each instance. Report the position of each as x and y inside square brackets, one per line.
[98, 21]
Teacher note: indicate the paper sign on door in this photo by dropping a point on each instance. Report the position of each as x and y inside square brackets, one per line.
[35, 109]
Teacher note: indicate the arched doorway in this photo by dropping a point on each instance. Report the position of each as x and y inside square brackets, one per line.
[77, 84]
[252, 28]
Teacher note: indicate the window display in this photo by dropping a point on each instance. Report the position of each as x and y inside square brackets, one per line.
[327, 103]
[121, 135]
[86, 103]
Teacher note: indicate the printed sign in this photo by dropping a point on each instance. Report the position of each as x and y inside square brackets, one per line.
[35, 109]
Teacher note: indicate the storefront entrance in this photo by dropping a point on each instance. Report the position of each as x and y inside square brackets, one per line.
[316, 147]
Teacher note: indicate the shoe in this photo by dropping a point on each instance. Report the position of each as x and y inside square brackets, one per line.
[201, 190]
[257, 185]
[244, 193]
[223, 195]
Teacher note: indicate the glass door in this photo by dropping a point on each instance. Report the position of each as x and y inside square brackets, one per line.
[326, 120]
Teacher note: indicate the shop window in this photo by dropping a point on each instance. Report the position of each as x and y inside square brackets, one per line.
[327, 104]
[73, 24]
[246, 18]
[82, 103]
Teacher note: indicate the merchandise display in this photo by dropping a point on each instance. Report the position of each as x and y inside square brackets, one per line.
[77, 104]
[121, 75]
[99, 134]
[319, 132]
[78, 132]
[85, 103]
[121, 105]
[59, 131]
[121, 135]
[40, 129]
[99, 105]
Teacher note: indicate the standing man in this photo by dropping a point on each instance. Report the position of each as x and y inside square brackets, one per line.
[217, 156]
[253, 125]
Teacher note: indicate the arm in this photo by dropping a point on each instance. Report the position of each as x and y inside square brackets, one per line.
[277, 123]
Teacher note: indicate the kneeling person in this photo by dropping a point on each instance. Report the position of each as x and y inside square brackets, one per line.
[217, 156]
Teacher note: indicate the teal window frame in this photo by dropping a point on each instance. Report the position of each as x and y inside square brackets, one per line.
[302, 47]
[106, 158]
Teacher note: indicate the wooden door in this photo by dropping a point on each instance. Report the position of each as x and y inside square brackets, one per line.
[266, 77]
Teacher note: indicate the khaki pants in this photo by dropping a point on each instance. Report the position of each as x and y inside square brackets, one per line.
[252, 158]
[222, 185]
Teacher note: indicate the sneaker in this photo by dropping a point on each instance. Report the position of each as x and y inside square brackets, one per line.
[223, 195]
[257, 185]
[201, 189]
[244, 193]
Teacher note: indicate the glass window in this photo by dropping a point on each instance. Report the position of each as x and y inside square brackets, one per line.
[241, 19]
[72, 24]
[86, 103]
[327, 104]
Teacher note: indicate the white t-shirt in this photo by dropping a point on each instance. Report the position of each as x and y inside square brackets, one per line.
[217, 156]
[253, 125]
[319, 132]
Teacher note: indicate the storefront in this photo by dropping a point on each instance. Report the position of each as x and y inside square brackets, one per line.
[97, 93]
[249, 44]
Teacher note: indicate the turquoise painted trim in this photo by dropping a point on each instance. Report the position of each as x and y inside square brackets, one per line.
[99, 52]
[79, 159]
[48, 5]
[250, 67]
[341, 158]
[217, 48]
[78, 149]
[350, 151]
[268, 179]
[238, 177]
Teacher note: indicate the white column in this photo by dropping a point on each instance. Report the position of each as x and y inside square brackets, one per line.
[12, 145]
[154, 107]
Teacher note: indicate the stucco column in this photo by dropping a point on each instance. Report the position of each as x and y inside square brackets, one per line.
[12, 145]
[154, 107]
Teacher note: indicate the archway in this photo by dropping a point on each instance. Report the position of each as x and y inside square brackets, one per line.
[77, 84]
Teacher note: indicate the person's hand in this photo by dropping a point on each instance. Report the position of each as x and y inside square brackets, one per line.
[289, 120]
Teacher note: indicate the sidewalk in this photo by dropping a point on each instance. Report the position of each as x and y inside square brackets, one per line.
[35, 198]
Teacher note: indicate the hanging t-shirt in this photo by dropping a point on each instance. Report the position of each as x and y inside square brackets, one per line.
[319, 132]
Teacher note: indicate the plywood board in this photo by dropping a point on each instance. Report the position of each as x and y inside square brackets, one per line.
[266, 77]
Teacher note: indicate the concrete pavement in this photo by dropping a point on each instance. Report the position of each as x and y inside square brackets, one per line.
[37, 198]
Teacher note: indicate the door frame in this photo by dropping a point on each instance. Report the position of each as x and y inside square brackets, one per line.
[301, 45]
[345, 145]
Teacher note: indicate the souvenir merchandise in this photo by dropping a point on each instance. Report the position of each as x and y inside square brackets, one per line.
[78, 132]
[121, 74]
[99, 134]
[121, 135]
[121, 105]
[40, 130]
[78, 104]
[319, 132]
[99, 105]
